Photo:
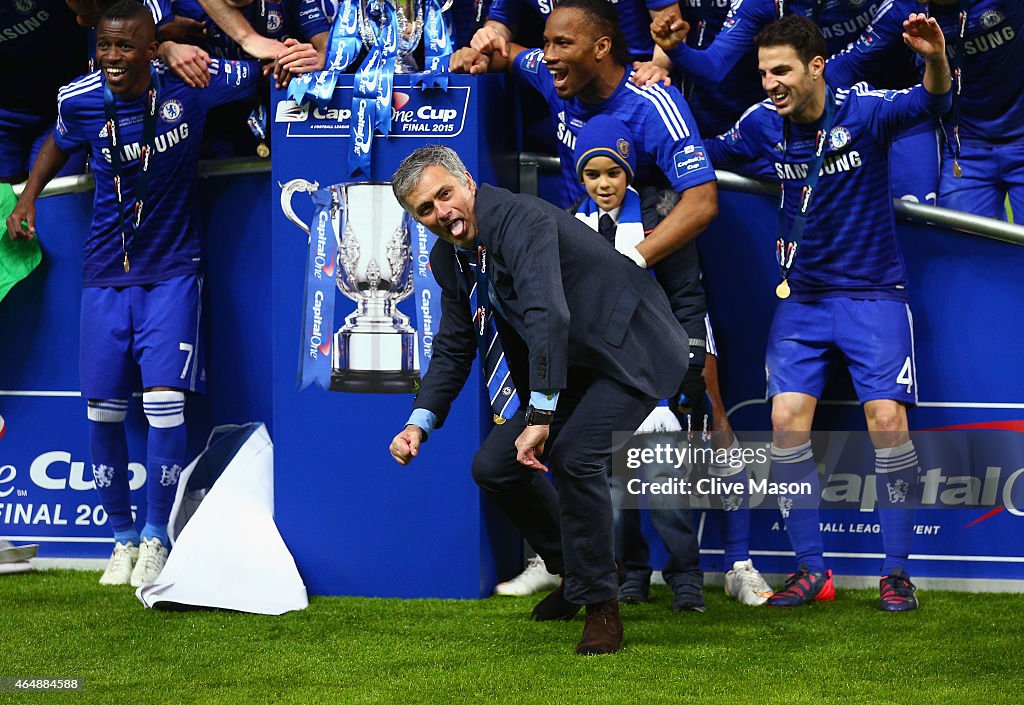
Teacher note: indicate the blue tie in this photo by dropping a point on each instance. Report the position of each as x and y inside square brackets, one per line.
[500, 388]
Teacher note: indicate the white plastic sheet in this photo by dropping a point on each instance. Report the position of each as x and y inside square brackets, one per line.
[229, 555]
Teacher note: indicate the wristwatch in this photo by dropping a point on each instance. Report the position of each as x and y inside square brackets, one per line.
[538, 417]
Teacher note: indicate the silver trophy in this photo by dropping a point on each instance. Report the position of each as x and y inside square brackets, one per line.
[410, 28]
[375, 350]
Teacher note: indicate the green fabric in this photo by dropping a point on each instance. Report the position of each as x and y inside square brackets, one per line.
[17, 257]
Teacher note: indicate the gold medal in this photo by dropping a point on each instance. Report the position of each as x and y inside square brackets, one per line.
[262, 150]
[499, 420]
[126, 266]
[957, 171]
[782, 290]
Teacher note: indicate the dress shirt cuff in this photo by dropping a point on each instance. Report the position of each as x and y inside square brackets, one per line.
[544, 399]
[634, 254]
[426, 420]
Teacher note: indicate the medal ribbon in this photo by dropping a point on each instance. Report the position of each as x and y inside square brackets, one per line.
[957, 65]
[786, 251]
[318, 297]
[141, 190]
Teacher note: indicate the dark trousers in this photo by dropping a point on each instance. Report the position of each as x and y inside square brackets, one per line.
[673, 521]
[577, 453]
[676, 529]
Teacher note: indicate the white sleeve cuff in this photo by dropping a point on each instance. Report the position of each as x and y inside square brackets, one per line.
[634, 254]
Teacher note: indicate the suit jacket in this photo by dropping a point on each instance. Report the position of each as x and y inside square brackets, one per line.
[566, 298]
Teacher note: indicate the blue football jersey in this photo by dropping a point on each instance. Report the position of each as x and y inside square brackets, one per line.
[669, 148]
[717, 105]
[992, 99]
[841, 21]
[849, 246]
[299, 19]
[167, 242]
[41, 49]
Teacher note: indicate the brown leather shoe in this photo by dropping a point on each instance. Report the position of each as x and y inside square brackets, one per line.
[602, 634]
[555, 608]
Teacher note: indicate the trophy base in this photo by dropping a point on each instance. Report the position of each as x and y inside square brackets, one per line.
[381, 362]
[375, 381]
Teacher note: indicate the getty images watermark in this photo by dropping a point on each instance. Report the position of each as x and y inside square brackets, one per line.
[977, 468]
[668, 462]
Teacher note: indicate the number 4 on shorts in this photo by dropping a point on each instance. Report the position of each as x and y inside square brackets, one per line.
[906, 375]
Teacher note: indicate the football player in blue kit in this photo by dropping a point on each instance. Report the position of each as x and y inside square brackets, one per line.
[983, 133]
[299, 25]
[582, 72]
[42, 34]
[717, 104]
[634, 18]
[844, 282]
[143, 262]
[710, 63]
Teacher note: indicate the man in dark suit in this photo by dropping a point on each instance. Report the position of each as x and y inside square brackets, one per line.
[591, 342]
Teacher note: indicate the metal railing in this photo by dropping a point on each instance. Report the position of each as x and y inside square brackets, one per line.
[214, 167]
[530, 165]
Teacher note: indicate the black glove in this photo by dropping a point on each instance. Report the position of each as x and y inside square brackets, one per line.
[691, 394]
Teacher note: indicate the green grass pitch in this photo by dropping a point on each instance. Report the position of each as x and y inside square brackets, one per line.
[958, 648]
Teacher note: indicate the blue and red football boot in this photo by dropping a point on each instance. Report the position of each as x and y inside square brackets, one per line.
[897, 593]
[803, 587]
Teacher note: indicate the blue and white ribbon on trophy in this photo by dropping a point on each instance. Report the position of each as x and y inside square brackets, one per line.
[389, 39]
[343, 47]
[437, 48]
[371, 88]
[428, 293]
[318, 318]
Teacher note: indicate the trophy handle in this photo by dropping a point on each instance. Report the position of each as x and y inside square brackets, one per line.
[446, 5]
[287, 191]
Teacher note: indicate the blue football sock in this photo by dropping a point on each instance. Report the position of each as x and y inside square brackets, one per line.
[736, 508]
[165, 457]
[156, 531]
[796, 465]
[896, 476]
[108, 447]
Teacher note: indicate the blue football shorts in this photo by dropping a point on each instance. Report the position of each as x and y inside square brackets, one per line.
[989, 173]
[873, 338]
[152, 328]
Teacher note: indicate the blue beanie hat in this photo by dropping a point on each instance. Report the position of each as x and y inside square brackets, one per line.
[604, 136]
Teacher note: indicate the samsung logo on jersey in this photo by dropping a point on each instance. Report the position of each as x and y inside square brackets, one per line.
[565, 136]
[24, 27]
[161, 143]
[854, 25]
[834, 164]
[989, 41]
